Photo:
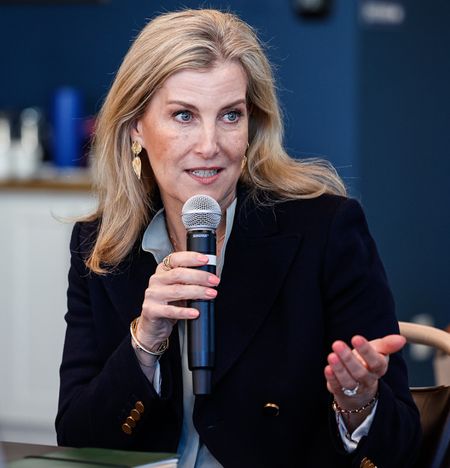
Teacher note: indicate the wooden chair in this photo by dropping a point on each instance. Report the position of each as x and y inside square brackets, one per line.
[433, 402]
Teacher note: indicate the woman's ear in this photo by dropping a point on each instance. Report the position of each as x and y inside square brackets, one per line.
[136, 132]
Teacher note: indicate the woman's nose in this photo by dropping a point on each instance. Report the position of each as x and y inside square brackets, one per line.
[207, 144]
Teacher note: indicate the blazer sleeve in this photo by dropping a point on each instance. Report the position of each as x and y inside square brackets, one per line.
[98, 391]
[358, 301]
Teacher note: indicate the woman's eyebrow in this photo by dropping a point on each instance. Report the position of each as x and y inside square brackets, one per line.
[192, 106]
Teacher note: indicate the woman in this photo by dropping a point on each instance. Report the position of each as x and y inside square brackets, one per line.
[299, 292]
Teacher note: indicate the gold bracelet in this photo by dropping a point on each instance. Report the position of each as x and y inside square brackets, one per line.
[338, 409]
[161, 348]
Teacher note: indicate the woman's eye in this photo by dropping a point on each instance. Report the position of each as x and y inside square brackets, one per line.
[183, 116]
[232, 116]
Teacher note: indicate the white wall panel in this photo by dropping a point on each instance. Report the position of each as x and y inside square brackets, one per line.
[34, 261]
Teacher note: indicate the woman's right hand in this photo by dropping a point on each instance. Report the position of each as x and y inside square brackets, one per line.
[164, 301]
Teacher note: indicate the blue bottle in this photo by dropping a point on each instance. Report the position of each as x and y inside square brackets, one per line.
[67, 127]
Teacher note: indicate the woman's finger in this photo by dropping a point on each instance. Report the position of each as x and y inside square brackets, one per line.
[166, 311]
[388, 344]
[375, 361]
[177, 292]
[333, 384]
[341, 373]
[182, 275]
[182, 259]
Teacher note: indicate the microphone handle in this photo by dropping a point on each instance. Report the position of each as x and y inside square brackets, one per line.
[201, 331]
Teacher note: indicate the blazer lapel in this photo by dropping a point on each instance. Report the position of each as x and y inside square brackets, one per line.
[127, 285]
[256, 261]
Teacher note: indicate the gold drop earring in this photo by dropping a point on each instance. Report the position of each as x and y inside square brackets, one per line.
[244, 159]
[136, 149]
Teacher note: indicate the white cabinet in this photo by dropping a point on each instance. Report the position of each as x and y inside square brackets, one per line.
[34, 261]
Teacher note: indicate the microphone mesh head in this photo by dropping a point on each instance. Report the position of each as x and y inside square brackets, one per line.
[201, 212]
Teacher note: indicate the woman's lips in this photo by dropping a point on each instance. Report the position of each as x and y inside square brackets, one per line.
[204, 172]
[205, 175]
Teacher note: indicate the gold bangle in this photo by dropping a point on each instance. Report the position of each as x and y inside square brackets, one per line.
[338, 409]
[161, 348]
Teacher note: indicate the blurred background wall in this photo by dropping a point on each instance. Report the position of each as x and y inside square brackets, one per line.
[363, 83]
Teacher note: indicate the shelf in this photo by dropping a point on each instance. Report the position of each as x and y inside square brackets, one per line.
[78, 181]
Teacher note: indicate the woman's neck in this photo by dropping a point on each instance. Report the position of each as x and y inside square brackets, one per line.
[176, 230]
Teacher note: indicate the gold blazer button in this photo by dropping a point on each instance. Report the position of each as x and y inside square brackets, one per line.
[127, 428]
[367, 463]
[271, 409]
[135, 414]
[139, 406]
[131, 422]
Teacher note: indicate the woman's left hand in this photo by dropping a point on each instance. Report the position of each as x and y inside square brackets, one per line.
[359, 369]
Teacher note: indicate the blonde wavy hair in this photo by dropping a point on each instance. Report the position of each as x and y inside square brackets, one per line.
[188, 39]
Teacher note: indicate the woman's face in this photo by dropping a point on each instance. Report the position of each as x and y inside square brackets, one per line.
[195, 132]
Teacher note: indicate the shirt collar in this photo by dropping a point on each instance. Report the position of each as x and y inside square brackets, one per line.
[156, 239]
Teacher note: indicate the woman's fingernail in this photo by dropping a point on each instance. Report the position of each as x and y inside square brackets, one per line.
[211, 292]
[202, 258]
[213, 280]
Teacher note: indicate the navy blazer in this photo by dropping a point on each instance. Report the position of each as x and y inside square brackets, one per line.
[297, 276]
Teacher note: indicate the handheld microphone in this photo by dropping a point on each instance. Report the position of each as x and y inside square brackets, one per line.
[201, 215]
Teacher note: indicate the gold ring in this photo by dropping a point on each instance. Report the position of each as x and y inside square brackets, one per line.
[166, 263]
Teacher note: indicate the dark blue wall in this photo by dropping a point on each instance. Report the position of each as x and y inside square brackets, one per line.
[373, 100]
[404, 132]
[43, 47]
